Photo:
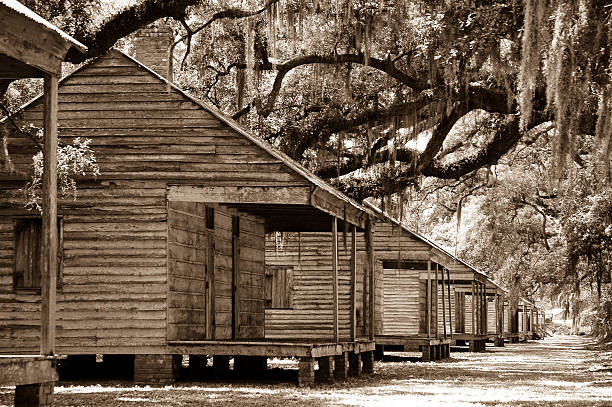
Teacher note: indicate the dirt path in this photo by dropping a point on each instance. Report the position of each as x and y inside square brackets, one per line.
[558, 371]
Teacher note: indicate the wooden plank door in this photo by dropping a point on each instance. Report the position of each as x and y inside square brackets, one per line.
[187, 271]
[459, 312]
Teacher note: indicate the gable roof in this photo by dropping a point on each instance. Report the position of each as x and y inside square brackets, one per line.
[314, 180]
[418, 236]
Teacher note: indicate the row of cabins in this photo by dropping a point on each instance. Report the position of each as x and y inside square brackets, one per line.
[200, 239]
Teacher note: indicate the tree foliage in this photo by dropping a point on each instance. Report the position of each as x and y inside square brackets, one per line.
[366, 93]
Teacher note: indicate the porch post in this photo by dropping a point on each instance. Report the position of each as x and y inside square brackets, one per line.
[450, 307]
[473, 305]
[335, 275]
[443, 302]
[428, 296]
[49, 195]
[372, 262]
[353, 283]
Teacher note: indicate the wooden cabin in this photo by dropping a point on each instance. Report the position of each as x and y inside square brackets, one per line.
[163, 253]
[511, 321]
[303, 280]
[31, 47]
[542, 324]
[495, 313]
[525, 320]
[537, 323]
[468, 305]
[412, 291]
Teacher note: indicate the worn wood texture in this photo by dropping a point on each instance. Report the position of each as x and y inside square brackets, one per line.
[26, 370]
[48, 283]
[187, 271]
[404, 305]
[114, 293]
[312, 314]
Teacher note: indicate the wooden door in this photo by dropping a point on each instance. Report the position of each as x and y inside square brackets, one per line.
[188, 265]
[459, 312]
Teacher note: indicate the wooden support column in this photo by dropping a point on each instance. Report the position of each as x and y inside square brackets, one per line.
[306, 371]
[434, 302]
[371, 271]
[450, 308]
[443, 302]
[428, 297]
[49, 229]
[353, 283]
[485, 317]
[326, 369]
[354, 364]
[473, 306]
[335, 276]
[367, 359]
[341, 366]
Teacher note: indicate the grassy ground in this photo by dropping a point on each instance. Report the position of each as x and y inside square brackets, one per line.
[558, 371]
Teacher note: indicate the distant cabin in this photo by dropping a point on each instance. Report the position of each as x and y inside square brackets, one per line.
[511, 321]
[495, 313]
[164, 253]
[468, 306]
[413, 291]
[525, 319]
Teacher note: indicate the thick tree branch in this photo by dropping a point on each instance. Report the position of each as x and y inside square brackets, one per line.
[128, 21]
[384, 65]
[304, 137]
[506, 136]
[144, 13]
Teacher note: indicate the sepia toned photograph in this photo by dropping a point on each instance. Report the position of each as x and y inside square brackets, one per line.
[357, 203]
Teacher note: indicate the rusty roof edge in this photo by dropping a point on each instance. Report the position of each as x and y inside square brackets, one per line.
[26, 12]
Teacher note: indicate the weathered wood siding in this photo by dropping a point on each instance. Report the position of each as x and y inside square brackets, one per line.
[492, 315]
[113, 297]
[402, 308]
[310, 257]
[188, 256]
[449, 316]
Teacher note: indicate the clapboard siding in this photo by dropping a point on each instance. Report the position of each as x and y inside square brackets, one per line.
[106, 265]
[491, 316]
[146, 136]
[310, 256]
[401, 309]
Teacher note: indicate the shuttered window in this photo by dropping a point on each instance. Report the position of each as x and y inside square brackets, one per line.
[279, 287]
[28, 253]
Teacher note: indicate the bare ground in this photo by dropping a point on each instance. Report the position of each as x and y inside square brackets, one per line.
[557, 371]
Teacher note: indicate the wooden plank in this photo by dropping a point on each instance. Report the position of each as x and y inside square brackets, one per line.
[353, 283]
[335, 276]
[263, 348]
[429, 298]
[472, 309]
[371, 273]
[236, 292]
[50, 235]
[26, 370]
[250, 194]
